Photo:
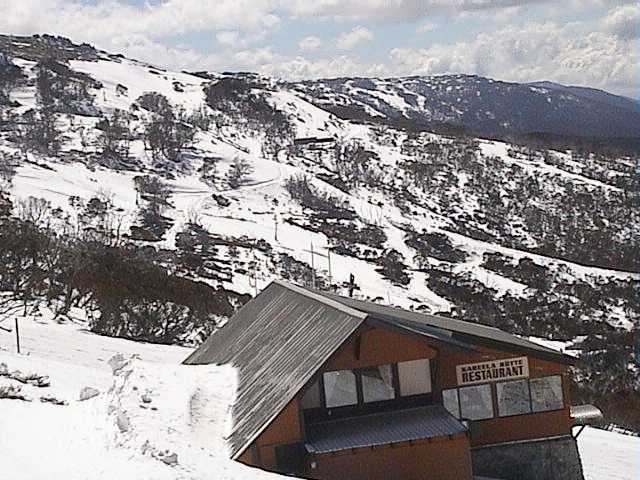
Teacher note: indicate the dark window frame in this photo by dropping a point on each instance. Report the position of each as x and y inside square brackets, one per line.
[515, 414]
[361, 407]
[493, 407]
[494, 395]
[562, 384]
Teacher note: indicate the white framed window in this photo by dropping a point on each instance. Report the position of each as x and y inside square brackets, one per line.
[340, 388]
[377, 383]
[513, 398]
[450, 401]
[476, 402]
[414, 377]
[546, 393]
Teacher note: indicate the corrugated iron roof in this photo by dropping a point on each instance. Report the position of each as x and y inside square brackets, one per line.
[585, 414]
[382, 429]
[280, 339]
[460, 329]
[277, 341]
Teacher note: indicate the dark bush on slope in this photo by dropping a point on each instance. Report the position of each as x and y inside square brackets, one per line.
[128, 290]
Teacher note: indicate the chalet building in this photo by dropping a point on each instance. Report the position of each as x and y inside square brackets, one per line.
[336, 388]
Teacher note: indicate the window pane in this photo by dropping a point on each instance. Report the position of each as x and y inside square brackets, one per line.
[476, 402]
[450, 402]
[377, 383]
[340, 388]
[415, 377]
[311, 398]
[513, 398]
[546, 393]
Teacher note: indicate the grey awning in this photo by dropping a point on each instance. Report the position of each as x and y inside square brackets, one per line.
[585, 414]
[382, 429]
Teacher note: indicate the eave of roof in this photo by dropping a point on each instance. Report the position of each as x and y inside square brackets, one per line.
[383, 428]
[467, 333]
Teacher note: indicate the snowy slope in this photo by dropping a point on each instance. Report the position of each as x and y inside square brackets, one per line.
[117, 435]
[480, 104]
[497, 223]
[150, 408]
[262, 208]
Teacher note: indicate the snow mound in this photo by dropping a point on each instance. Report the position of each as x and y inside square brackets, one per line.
[148, 419]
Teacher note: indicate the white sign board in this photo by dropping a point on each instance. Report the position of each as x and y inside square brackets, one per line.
[493, 371]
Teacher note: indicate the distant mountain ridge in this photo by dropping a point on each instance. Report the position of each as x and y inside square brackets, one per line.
[480, 105]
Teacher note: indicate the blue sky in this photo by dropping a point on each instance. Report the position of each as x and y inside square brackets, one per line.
[581, 42]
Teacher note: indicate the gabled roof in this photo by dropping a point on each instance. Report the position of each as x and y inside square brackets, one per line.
[282, 337]
[277, 341]
[469, 332]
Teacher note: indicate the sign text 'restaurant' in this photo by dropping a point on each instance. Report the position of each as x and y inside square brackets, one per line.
[493, 371]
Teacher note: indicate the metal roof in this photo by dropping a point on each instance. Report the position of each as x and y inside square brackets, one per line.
[277, 341]
[460, 330]
[585, 414]
[382, 429]
[282, 337]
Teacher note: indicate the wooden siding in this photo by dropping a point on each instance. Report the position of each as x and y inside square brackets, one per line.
[439, 459]
[517, 427]
[378, 347]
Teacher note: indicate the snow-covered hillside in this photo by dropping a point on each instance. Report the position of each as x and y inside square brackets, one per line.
[150, 417]
[262, 204]
[149, 409]
[246, 179]
[480, 104]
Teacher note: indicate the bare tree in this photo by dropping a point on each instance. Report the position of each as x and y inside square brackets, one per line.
[238, 171]
[36, 211]
[168, 131]
[115, 135]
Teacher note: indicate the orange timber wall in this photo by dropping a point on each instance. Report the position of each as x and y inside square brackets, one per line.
[376, 347]
[519, 427]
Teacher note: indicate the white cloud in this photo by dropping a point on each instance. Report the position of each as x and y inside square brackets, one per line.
[624, 22]
[600, 52]
[563, 53]
[138, 31]
[348, 40]
[395, 10]
[228, 37]
[309, 44]
[303, 68]
[426, 27]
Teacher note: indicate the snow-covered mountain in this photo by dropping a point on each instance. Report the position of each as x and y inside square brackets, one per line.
[480, 105]
[231, 180]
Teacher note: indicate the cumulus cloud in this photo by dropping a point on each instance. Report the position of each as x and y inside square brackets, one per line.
[395, 10]
[598, 52]
[139, 31]
[624, 22]
[298, 68]
[105, 19]
[348, 40]
[228, 37]
[310, 43]
[562, 53]
[426, 27]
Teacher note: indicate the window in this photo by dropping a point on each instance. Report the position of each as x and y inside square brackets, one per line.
[311, 398]
[377, 384]
[546, 394]
[414, 377]
[361, 386]
[450, 401]
[476, 402]
[513, 398]
[340, 388]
